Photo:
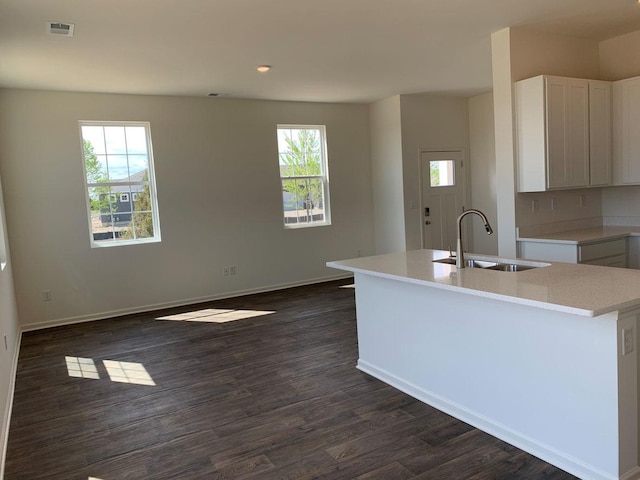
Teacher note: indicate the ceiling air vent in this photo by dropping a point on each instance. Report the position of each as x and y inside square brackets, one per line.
[59, 28]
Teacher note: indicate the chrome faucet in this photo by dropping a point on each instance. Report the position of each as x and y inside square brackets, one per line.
[459, 250]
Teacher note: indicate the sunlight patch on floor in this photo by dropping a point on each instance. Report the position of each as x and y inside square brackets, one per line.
[81, 367]
[215, 315]
[128, 372]
[123, 372]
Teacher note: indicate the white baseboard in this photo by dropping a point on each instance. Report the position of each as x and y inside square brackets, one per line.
[633, 474]
[177, 303]
[6, 419]
[545, 452]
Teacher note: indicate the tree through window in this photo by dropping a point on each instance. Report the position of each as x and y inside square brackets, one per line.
[304, 175]
[118, 166]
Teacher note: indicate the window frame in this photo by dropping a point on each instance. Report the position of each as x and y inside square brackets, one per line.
[323, 177]
[116, 196]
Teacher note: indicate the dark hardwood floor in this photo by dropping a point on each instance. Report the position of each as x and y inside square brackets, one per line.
[275, 396]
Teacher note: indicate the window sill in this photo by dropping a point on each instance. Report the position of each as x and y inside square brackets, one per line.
[307, 225]
[122, 243]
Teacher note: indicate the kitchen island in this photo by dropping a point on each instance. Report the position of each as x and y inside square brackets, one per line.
[544, 359]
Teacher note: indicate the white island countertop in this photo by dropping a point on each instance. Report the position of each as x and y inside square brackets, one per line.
[585, 290]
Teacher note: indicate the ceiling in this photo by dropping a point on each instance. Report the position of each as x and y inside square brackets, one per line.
[328, 50]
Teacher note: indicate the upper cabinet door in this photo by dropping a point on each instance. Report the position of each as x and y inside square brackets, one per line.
[567, 105]
[600, 133]
[577, 132]
[556, 105]
[626, 128]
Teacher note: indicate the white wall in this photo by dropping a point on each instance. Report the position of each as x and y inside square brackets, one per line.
[542, 53]
[619, 59]
[558, 211]
[218, 192]
[621, 205]
[517, 54]
[9, 330]
[504, 141]
[535, 53]
[482, 160]
[387, 182]
[429, 122]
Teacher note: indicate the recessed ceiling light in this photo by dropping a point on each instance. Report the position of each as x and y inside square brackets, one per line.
[263, 68]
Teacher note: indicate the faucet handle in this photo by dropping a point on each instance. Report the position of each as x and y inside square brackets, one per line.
[451, 253]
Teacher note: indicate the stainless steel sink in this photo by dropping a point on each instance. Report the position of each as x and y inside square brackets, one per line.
[486, 264]
[510, 267]
[447, 260]
[468, 263]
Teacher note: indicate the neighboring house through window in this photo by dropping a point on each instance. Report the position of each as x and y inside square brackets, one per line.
[120, 183]
[302, 154]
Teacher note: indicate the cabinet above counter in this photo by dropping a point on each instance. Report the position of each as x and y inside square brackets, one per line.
[577, 133]
[626, 132]
[563, 133]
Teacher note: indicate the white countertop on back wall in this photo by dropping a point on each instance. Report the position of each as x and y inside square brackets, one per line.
[585, 235]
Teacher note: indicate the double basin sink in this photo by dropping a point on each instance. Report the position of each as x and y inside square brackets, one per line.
[488, 265]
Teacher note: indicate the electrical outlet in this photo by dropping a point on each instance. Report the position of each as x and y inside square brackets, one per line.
[47, 296]
[583, 200]
[225, 271]
[232, 270]
[554, 203]
[534, 206]
[627, 341]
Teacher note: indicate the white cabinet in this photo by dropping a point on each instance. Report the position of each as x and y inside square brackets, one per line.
[608, 253]
[626, 128]
[600, 148]
[548, 251]
[563, 133]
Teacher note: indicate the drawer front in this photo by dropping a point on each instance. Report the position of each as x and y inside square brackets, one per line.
[617, 261]
[602, 250]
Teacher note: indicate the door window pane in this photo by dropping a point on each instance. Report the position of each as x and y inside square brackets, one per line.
[442, 173]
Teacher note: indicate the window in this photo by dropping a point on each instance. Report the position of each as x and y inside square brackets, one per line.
[304, 175]
[118, 167]
[442, 173]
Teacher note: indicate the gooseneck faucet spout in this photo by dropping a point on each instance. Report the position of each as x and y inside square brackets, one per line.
[459, 250]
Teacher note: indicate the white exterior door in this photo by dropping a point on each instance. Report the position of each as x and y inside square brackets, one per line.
[442, 197]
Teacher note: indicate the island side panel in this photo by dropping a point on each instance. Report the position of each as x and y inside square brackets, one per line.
[628, 393]
[544, 381]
